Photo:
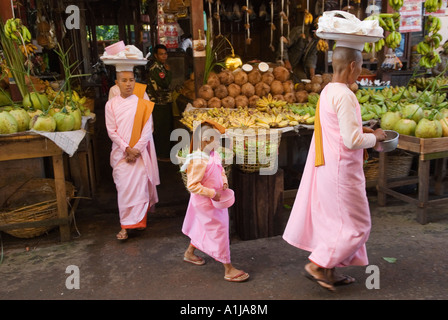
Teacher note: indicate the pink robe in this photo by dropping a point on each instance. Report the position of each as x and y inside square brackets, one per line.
[205, 225]
[331, 216]
[135, 182]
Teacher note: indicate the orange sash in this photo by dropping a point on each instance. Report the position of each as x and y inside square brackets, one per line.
[139, 90]
[319, 161]
[144, 110]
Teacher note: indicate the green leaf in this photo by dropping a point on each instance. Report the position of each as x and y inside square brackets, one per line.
[390, 260]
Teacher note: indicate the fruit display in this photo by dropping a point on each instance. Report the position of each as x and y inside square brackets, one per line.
[396, 4]
[15, 30]
[427, 47]
[390, 22]
[433, 5]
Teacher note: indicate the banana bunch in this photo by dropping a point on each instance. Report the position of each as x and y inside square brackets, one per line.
[27, 49]
[433, 5]
[393, 39]
[377, 46]
[432, 24]
[322, 45]
[269, 120]
[268, 101]
[430, 60]
[396, 4]
[15, 30]
[308, 18]
[387, 21]
[242, 122]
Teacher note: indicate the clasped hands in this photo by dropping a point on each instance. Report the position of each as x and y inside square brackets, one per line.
[132, 154]
[217, 196]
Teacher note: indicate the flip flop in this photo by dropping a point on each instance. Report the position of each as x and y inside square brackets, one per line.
[344, 281]
[240, 277]
[319, 281]
[122, 235]
[198, 262]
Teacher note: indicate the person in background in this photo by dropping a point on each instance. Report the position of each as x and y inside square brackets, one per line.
[159, 91]
[300, 54]
[331, 217]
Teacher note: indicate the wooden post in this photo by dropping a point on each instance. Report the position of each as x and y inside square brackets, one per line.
[5, 10]
[197, 21]
[61, 196]
[423, 190]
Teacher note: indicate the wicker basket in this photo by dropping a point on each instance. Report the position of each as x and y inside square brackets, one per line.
[227, 168]
[247, 143]
[33, 201]
[398, 165]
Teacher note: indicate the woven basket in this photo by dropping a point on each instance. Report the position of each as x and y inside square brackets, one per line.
[247, 144]
[33, 201]
[398, 165]
[227, 168]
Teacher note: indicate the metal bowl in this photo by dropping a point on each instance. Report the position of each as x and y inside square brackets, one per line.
[389, 144]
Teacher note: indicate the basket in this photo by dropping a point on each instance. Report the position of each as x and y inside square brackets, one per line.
[249, 144]
[398, 165]
[227, 169]
[35, 200]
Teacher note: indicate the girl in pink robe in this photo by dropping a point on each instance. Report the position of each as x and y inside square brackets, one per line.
[205, 225]
[331, 216]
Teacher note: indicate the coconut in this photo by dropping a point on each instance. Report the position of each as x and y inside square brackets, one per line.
[8, 123]
[228, 102]
[267, 77]
[253, 101]
[317, 78]
[290, 97]
[428, 129]
[206, 92]
[248, 89]
[221, 91]
[76, 112]
[240, 78]
[412, 111]
[281, 73]
[444, 123]
[213, 80]
[315, 87]
[43, 122]
[327, 77]
[5, 98]
[276, 87]
[254, 76]
[234, 90]
[279, 97]
[241, 101]
[226, 77]
[22, 117]
[405, 127]
[64, 121]
[214, 103]
[302, 96]
[288, 86]
[262, 89]
[200, 103]
[389, 119]
[36, 101]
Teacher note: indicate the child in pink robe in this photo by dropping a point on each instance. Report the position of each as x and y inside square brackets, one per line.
[331, 217]
[205, 225]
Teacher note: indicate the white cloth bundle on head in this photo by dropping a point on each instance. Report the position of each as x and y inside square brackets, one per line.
[129, 52]
[341, 22]
[124, 58]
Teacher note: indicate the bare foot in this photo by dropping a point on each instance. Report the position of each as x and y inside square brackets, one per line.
[324, 277]
[190, 257]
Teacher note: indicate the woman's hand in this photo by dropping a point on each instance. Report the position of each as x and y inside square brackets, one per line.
[380, 134]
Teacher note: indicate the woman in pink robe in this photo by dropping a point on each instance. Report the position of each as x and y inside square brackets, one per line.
[135, 170]
[331, 217]
[205, 225]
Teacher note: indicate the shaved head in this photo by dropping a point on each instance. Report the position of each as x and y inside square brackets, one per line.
[343, 57]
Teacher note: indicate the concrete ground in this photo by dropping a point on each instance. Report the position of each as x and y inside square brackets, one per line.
[149, 264]
[409, 260]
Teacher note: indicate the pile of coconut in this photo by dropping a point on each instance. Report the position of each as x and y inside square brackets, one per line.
[240, 88]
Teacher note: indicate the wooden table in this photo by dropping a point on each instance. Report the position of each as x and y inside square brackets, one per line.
[427, 150]
[35, 146]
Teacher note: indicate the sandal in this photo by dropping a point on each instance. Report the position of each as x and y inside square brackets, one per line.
[198, 262]
[122, 235]
[329, 285]
[345, 279]
[240, 277]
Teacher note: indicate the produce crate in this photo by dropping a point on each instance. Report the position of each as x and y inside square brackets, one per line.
[428, 148]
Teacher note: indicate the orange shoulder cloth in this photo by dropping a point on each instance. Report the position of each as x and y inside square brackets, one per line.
[144, 110]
